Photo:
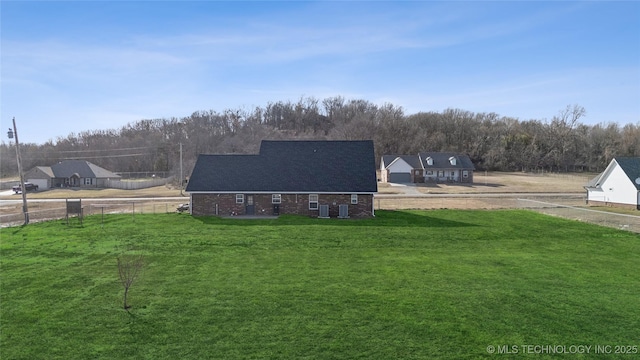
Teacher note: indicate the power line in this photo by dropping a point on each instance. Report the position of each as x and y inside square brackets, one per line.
[88, 157]
[120, 149]
[102, 156]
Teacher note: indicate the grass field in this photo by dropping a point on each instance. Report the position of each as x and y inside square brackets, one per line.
[436, 284]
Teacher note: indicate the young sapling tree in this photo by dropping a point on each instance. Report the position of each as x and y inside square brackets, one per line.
[129, 267]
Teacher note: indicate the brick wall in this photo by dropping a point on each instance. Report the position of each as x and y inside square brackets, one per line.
[225, 204]
[417, 176]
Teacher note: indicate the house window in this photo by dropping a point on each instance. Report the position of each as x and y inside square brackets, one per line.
[429, 160]
[354, 199]
[313, 202]
[429, 172]
[453, 174]
[276, 198]
[440, 173]
[465, 174]
[87, 181]
[239, 198]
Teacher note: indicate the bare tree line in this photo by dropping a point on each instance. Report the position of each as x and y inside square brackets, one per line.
[492, 141]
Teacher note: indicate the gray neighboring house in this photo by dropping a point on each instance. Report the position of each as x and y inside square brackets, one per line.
[312, 178]
[70, 173]
[427, 167]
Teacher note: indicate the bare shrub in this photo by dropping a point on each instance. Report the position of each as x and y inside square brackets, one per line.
[129, 267]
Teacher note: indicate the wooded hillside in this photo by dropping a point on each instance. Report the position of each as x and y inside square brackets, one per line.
[492, 141]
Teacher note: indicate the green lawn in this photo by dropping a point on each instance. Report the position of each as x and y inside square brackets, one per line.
[412, 285]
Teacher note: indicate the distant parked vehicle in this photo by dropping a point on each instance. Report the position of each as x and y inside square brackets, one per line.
[28, 186]
[183, 207]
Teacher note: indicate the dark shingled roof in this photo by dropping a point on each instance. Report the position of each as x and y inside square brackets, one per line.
[441, 160]
[631, 167]
[290, 166]
[83, 168]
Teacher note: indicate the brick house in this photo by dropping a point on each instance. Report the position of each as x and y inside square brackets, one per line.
[312, 178]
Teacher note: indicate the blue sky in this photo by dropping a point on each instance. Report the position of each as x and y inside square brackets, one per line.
[71, 66]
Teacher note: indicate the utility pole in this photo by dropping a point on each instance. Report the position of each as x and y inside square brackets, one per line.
[181, 181]
[25, 210]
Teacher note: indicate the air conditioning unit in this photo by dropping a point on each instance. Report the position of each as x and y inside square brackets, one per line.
[343, 211]
[324, 211]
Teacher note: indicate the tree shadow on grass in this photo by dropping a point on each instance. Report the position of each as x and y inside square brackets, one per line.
[384, 218]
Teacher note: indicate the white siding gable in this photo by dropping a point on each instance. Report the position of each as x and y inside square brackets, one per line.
[615, 188]
[399, 166]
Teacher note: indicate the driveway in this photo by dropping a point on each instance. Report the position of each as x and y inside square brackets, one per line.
[407, 189]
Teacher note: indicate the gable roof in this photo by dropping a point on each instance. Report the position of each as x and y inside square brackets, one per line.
[47, 170]
[290, 166]
[82, 168]
[441, 160]
[630, 166]
[412, 160]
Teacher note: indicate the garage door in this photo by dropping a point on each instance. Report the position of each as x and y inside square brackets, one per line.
[400, 177]
[42, 183]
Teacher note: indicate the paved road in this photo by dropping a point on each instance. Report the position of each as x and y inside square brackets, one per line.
[410, 190]
[480, 195]
[18, 200]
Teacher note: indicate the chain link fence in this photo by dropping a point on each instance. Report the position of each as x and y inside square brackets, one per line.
[570, 207]
[488, 202]
[12, 215]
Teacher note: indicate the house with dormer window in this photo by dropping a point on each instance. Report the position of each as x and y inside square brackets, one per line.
[427, 167]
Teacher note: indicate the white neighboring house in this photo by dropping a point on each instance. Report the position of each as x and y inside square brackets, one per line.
[618, 185]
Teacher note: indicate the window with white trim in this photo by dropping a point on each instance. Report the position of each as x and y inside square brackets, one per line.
[313, 201]
[465, 174]
[276, 198]
[440, 173]
[354, 199]
[239, 198]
